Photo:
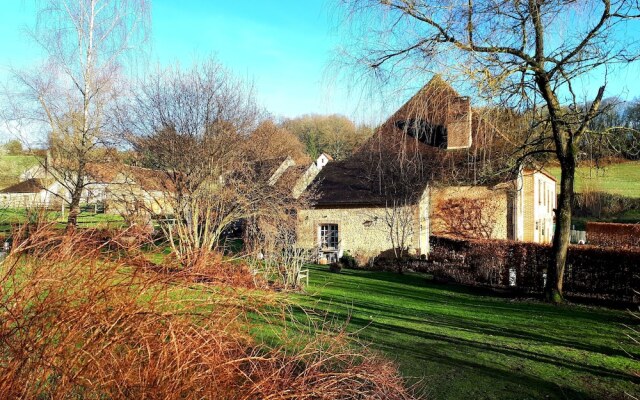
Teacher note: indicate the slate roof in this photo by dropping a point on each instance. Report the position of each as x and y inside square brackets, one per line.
[367, 177]
[32, 185]
[346, 182]
[290, 176]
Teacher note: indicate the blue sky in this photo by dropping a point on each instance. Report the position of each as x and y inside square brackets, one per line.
[283, 46]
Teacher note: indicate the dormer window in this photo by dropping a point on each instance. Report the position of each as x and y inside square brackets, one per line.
[429, 134]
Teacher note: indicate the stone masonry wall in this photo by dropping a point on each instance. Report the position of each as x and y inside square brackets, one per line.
[363, 231]
[498, 204]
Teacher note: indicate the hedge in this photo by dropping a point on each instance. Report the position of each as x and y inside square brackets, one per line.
[612, 234]
[591, 272]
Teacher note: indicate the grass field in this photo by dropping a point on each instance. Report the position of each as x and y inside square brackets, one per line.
[10, 217]
[12, 166]
[464, 345]
[622, 178]
[458, 343]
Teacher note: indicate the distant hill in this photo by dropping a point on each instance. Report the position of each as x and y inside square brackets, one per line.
[622, 179]
[12, 166]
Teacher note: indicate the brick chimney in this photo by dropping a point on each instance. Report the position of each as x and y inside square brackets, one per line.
[459, 123]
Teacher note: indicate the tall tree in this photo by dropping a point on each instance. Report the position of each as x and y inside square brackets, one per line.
[192, 127]
[269, 141]
[335, 135]
[14, 147]
[532, 55]
[87, 43]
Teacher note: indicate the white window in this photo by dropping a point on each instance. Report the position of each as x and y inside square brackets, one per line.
[329, 236]
[539, 192]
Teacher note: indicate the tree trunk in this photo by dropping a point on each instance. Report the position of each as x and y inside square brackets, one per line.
[562, 235]
[74, 205]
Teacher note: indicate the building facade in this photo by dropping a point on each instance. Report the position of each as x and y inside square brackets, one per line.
[445, 165]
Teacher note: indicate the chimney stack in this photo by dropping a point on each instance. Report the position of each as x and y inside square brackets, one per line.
[459, 123]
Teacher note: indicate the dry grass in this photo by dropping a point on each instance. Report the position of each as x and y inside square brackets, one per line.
[79, 322]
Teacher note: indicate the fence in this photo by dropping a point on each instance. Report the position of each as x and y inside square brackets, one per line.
[578, 237]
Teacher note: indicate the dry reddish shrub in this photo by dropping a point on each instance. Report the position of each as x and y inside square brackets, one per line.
[330, 373]
[613, 234]
[77, 324]
[212, 267]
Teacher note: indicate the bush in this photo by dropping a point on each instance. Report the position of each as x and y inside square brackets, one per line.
[335, 267]
[349, 261]
[13, 147]
[79, 321]
[611, 234]
[596, 204]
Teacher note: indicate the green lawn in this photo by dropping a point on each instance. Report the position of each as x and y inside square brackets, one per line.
[12, 166]
[464, 345]
[457, 343]
[622, 178]
[9, 217]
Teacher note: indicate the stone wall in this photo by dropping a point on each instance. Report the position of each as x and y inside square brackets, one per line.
[493, 214]
[363, 231]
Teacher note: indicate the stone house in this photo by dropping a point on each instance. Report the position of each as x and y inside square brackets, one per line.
[137, 191]
[435, 167]
[121, 189]
[538, 194]
[31, 192]
[349, 216]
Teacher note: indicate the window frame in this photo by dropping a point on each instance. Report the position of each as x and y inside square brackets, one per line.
[329, 236]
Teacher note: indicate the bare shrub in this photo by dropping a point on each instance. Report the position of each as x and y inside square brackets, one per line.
[598, 204]
[213, 268]
[276, 255]
[399, 216]
[77, 324]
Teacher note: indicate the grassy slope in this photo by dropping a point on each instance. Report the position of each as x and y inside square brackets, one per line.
[622, 179]
[12, 166]
[465, 345]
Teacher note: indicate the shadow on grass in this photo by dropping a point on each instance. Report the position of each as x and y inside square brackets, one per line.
[496, 346]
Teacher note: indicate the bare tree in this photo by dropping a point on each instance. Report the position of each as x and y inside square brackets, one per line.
[276, 254]
[192, 125]
[468, 217]
[399, 218]
[87, 43]
[531, 55]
